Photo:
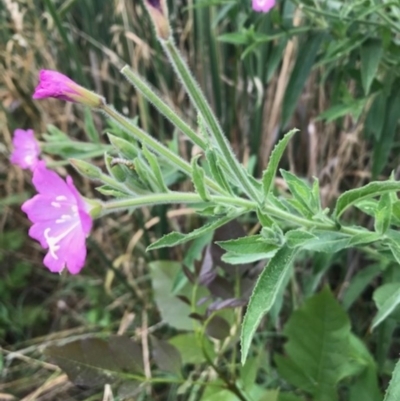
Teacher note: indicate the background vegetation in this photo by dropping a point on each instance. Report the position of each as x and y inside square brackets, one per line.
[330, 69]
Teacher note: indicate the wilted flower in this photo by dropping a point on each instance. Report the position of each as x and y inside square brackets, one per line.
[263, 6]
[61, 220]
[26, 149]
[57, 85]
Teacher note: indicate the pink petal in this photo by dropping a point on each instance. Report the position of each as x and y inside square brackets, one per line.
[263, 5]
[26, 149]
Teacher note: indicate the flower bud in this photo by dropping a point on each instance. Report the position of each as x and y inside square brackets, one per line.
[86, 169]
[159, 14]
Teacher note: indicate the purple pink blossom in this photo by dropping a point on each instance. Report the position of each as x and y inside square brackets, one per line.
[61, 220]
[26, 149]
[263, 6]
[59, 86]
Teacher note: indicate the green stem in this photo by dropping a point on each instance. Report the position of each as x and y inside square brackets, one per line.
[174, 197]
[158, 147]
[204, 108]
[150, 94]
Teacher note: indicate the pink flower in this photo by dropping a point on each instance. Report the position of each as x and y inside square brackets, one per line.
[61, 220]
[263, 6]
[26, 149]
[57, 85]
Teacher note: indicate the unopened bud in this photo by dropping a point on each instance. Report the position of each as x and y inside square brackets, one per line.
[159, 14]
[86, 169]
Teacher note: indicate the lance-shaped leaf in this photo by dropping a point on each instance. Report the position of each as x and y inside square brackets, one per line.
[198, 180]
[393, 391]
[276, 155]
[376, 188]
[264, 294]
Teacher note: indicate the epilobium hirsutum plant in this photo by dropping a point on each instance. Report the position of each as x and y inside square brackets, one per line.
[223, 189]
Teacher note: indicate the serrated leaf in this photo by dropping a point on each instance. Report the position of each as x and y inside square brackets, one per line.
[371, 52]
[370, 190]
[296, 238]
[264, 294]
[198, 180]
[387, 299]
[245, 245]
[318, 347]
[176, 238]
[383, 214]
[393, 391]
[238, 259]
[273, 163]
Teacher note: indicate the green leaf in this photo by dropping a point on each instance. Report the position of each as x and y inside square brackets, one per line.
[94, 361]
[393, 391]
[371, 53]
[245, 245]
[264, 295]
[166, 356]
[327, 241]
[302, 68]
[155, 167]
[387, 299]
[383, 214]
[296, 238]
[237, 259]
[359, 283]
[177, 238]
[375, 119]
[190, 348]
[235, 38]
[90, 128]
[318, 347]
[273, 163]
[384, 145]
[198, 180]
[370, 190]
[216, 170]
[125, 148]
[172, 309]
[300, 191]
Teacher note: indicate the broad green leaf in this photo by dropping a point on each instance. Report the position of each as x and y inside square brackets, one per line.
[172, 309]
[383, 214]
[359, 283]
[190, 348]
[371, 52]
[302, 68]
[375, 188]
[300, 190]
[296, 238]
[94, 361]
[166, 356]
[318, 347]
[327, 241]
[387, 299]
[273, 163]
[176, 238]
[393, 391]
[198, 180]
[264, 294]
